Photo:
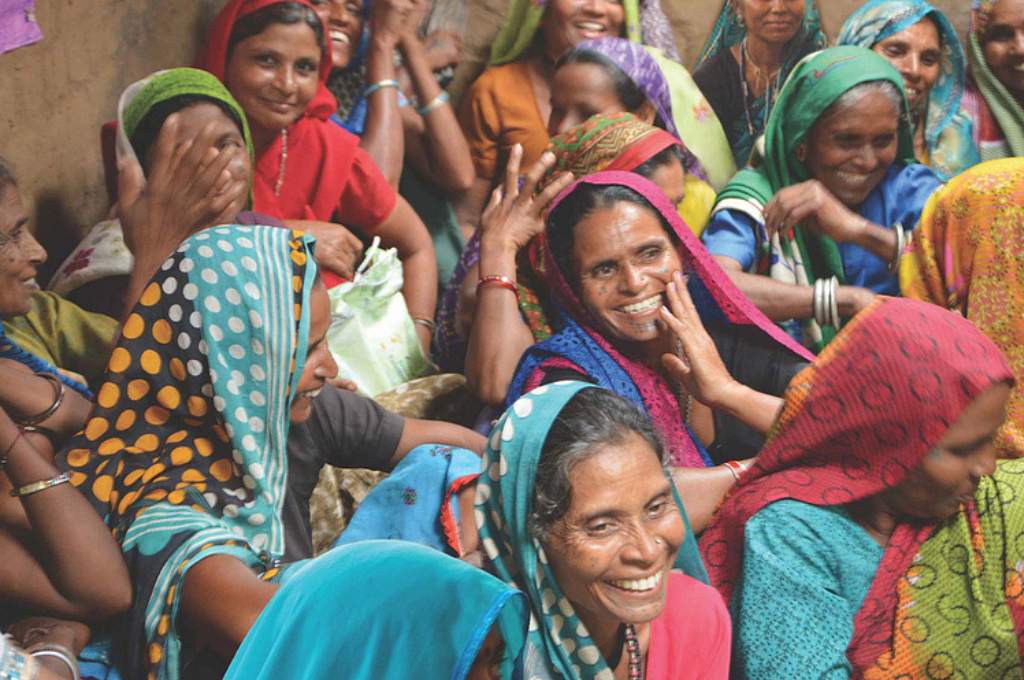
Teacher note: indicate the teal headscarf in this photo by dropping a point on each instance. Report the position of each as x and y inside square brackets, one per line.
[730, 30]
[185, 453]
[381, 610]
[813, 86]
[948, 130]
[504, 500]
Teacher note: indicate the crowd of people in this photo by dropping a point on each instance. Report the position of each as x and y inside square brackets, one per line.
[740, 351]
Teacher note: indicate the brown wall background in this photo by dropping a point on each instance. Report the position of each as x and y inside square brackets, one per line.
[55, 94]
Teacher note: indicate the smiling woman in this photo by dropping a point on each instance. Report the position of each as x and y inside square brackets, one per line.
[921, 43]
[818, 227]
[576, 510]
[615, 262]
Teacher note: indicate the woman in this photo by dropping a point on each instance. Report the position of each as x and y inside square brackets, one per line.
[575, 509]
[469, 334]
[869, 540]
[611, 74]
[336, 179]
[818, 227]
[995, 91]
[419, 146]
[964, 258]
[614, 257]
[185, 452]
[510, 102]
[923, 46]
[753, 47]
[408, 611]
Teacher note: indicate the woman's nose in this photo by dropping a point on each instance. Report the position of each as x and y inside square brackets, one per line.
[644, 547]
[632, 279]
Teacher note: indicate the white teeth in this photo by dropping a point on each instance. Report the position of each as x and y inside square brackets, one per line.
[850, 178]
[312, 394]
[1019, 68]
[643, 306]
[31, 283]
[338, 36]
[640, 584]
[589, 26]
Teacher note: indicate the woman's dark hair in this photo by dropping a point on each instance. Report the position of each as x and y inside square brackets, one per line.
[575, 207]
[592, 419]
[630, 96]
[661, 159]
[149, 127]
[287, 13]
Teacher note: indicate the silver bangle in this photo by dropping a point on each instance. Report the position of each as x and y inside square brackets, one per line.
[435, 103]
[819, 300]
[901, 243]
[834, 302]
[58, 652]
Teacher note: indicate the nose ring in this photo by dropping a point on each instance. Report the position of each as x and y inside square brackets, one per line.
[657, 541]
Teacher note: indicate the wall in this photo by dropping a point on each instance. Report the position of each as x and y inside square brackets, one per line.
[54, 95]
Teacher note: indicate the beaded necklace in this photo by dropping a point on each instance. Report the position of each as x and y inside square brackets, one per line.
[636, 670]
[284, 162]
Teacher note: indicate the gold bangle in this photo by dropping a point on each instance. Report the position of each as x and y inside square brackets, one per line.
[36, 487]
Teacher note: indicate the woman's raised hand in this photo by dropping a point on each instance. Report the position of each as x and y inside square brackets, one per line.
[190, 186]
[515, 215]
[390, 18]
[695, 363]
[812, 206]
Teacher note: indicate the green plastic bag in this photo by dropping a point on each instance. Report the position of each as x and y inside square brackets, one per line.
[372, 336]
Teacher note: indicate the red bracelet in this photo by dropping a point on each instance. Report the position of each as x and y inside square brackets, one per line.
[736, 468]
[497, 280]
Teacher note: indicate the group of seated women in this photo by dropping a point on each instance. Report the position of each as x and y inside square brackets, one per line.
[743, 349]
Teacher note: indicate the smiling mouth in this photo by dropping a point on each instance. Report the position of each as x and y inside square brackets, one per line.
[638, 585]
[311, 394]
[591, 27]
[279, 107]
[340, 37]
[643, 307]
[30, 283]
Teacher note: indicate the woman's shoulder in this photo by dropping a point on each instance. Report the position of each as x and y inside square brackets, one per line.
[791, 524]
[495, 77]
[702, 600]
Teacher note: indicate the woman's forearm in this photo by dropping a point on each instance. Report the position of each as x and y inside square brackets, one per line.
[778, 301]
[754, 409]
[880, 241]
[24, 394]
[405, 231]
[434, 141]
[702, 491]
[80, 556]
[498, 337]
[382, 135]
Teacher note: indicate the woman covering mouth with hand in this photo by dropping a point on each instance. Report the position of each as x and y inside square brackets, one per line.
[817, 227]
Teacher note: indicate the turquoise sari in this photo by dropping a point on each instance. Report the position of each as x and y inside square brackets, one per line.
[381, 610]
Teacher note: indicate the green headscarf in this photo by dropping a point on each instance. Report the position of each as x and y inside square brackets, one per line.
[813, 86]
[504, 505]
[1003, 105]
[645, 22]
[140, 97]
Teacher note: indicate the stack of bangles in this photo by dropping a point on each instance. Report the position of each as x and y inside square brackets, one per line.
[736, 468]
[18, 664]
[826, 303]
[497, 280]
[425, 322]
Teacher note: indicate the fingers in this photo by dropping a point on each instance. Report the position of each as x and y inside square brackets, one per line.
[165, 150]
[130, 182]
[552, 190]
[676, 367]
[492, 207]
[515, 158]
[537, 172]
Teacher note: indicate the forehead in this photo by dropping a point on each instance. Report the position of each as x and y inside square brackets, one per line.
[618, 473]
[192, 119]
[871, 113]
[923, 35]
[616, 231]
[579, 78]
[1007, 12]
[297, 38]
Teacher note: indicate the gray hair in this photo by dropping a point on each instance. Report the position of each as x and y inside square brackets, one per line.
[856, 93]
[592, 419]
[7, 177]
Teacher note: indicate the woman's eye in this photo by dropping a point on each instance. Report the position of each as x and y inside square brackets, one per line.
[308, 67]
[602, 271]
[265, 60]
[651, 254]
[600, 528]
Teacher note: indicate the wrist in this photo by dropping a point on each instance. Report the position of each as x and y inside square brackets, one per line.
[498, 248]
[727, 396]
[384, 41]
